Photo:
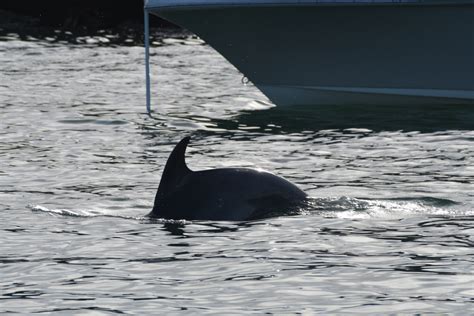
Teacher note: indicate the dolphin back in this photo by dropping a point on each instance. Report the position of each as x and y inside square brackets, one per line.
[221, 194]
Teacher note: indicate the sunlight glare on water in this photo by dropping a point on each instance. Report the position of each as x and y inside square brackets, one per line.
[389, 228]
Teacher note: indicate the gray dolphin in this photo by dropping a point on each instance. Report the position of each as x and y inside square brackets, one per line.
[231, 194]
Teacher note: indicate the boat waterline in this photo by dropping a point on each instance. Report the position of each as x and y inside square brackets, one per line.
[306, 95]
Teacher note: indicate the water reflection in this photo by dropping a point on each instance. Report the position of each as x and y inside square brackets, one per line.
[312, 119]
[189, 229]
[174, 228]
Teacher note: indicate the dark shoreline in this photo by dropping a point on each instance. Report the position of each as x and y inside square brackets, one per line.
[74, 14]
[96, 29]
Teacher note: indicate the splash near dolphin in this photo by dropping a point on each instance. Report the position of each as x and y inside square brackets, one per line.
[229, 194]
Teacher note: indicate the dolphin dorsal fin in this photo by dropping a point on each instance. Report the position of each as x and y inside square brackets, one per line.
[175, 169]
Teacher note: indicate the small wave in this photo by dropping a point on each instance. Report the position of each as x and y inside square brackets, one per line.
[81, 213]
[339, 207]
[346, 207]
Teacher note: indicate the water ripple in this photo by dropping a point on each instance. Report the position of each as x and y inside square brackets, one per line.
[388, 228]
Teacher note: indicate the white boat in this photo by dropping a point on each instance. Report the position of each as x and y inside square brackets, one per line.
[331, 52]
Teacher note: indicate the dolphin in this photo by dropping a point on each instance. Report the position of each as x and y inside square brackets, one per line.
[226, 194]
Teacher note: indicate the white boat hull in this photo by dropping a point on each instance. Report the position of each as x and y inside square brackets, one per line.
[345, 53]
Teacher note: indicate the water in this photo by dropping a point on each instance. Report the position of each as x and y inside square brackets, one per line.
[389, 230]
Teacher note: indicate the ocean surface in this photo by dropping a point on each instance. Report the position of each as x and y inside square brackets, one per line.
[390, 227]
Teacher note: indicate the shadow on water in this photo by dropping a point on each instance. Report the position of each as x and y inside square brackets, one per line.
[179, 228]
[423, 119]
[297, 119]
